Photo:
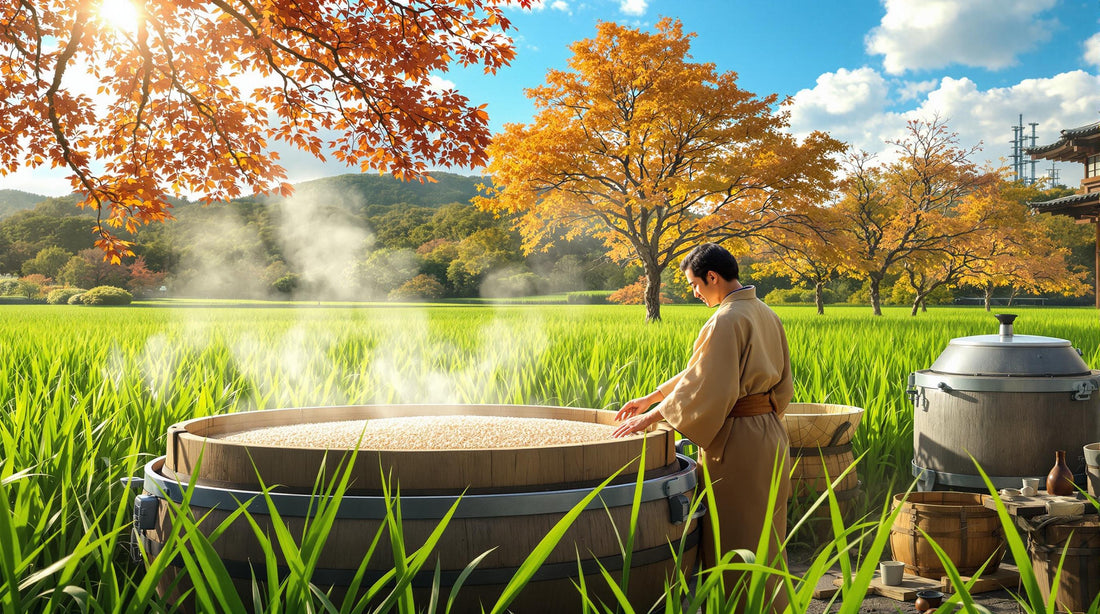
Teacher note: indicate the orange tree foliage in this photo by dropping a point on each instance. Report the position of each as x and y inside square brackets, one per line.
[651, 153]
[172, 113]
[633, 294]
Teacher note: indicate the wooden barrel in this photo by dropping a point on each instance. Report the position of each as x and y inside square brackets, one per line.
[1092, 467]
[966, 530]
[820, 437]
[1079, 583]
[508, 499]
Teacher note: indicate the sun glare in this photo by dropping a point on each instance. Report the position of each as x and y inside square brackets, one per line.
[119, 14]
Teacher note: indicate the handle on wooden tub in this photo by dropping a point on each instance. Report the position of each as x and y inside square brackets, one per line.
[681, 445]
[679, 509]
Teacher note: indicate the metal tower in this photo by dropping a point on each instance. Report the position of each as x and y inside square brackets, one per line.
[1023, 167]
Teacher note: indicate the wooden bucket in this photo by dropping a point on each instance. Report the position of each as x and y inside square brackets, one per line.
[1092, 467]
[820, 437]
[508, 499]
[968, 532]
[1079, 583]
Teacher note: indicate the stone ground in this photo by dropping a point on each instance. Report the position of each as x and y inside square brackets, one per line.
[998, 602]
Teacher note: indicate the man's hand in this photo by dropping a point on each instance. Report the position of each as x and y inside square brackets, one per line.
[633, 407]
[635, 424]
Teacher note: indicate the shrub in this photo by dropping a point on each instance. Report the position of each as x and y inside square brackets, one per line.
[287, 284]
[589, 297]
[106, 295]
[8, 287]
[634, 294]
[421, 287]
[61, 296]
[32, 286]
[76, 299]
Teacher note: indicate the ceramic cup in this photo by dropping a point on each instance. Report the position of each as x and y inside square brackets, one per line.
[1033, 484]
[1028, 491]
[892, 572]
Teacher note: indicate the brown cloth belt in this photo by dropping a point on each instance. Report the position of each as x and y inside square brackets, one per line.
[753, 405]
[748, 405]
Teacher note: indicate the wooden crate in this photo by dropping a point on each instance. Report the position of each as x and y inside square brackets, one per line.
[1006, 576]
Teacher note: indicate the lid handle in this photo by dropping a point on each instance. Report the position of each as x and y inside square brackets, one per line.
[1006, 320]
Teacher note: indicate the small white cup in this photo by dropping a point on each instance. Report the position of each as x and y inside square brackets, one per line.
[1032, 483]
[892, 572]
[1028, 491]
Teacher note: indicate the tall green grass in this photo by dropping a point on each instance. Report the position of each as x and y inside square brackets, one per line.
[86, 397]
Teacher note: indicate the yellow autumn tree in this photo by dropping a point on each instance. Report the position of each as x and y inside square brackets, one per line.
[1032, 255]
[901, 212]
[187, 96]
[809, 254]
[652, 153]
[981, 230]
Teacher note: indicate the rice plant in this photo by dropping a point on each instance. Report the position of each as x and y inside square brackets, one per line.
[86, 397]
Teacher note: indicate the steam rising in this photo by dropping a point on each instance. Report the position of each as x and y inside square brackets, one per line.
[322, 240]
[340, 355]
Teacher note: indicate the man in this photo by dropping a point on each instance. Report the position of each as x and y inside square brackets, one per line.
[729, 401]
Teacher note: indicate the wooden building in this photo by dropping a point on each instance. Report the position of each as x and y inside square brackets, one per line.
[1077, 145]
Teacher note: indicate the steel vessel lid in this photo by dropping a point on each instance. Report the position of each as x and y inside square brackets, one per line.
[1009, 354]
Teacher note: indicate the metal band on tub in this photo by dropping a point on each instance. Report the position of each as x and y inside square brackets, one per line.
[682, 481]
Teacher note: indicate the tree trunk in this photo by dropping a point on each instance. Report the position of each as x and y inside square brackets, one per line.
[652, 294]
[916, 305]
[923, 306]
[876, 299]
[989, 296]
[819, 298]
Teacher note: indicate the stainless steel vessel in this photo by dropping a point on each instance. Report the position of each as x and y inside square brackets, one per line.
[1009, 401]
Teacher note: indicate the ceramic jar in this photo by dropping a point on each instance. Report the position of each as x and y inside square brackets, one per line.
[1060, 478]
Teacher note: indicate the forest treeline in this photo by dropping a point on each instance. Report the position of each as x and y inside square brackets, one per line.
[354, 237]
[368, 237]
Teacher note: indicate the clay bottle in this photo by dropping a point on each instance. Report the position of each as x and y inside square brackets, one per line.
[1060, 478]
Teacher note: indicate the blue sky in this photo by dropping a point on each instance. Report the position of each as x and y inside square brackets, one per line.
[858, 69]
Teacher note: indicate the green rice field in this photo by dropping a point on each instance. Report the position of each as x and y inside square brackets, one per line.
[86, 396]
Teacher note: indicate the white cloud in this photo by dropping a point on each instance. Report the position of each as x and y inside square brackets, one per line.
[439, 84]
[911, 90]
[925, 34]
[851, 106]
[560, 5]
[1092, 50]
[633, 7]
[843, 103]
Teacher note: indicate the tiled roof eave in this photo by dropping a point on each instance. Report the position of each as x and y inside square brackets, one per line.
[1075, 205]
[1067, 135]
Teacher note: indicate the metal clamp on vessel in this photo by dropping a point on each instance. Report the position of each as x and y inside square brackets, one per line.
[929, 478]
[1082, 388]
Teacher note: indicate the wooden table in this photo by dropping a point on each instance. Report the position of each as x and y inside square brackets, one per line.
[1028, 507]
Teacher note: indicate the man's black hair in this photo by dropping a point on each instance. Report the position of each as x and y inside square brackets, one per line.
[710, 257]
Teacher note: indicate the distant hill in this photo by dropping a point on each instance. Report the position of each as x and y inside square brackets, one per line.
[365, 191]
[383, 190]
[15, 200]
